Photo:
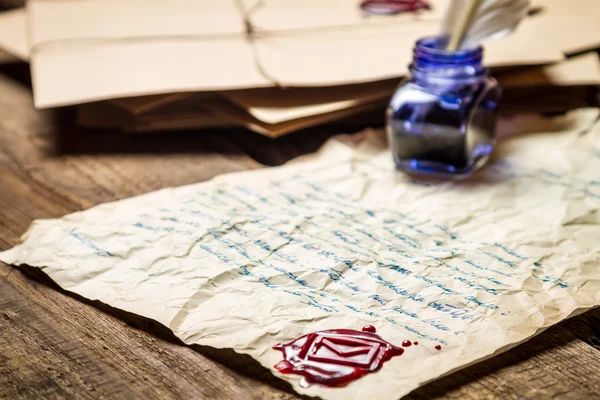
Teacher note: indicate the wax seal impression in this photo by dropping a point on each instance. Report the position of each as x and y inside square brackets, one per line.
[335, 357]
[391, 7]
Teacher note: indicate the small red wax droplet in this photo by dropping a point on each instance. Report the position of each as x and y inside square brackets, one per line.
[407, 343]
[369, 328]
[336, 357]
[284, 367]
[438, 347]
[416, 343]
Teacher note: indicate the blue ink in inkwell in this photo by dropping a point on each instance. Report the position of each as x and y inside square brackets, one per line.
[441, 120]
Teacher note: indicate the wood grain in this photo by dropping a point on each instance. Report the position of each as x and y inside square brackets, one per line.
[56, 345]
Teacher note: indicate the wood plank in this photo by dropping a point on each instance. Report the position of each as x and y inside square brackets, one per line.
[56, 345]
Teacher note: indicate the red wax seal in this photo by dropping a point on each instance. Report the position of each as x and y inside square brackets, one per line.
[336, 357]
[391, 7]
[438, 347]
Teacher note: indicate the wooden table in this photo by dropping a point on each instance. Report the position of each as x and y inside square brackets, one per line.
[57, 345]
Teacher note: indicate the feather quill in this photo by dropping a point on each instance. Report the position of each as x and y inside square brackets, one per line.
[470, 22]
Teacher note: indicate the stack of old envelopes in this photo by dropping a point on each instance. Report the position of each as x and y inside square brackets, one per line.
[274, 66]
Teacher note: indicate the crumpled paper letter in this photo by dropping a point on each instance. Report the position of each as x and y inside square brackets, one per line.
[340, 240]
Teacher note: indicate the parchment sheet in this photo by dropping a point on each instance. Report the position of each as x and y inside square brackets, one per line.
[340, 240]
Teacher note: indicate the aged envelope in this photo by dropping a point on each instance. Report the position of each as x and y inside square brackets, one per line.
[199, 111]
[340, 240]
[315, 116]
[277, 111]
[557, 26]
[133, 48]
[275, 105]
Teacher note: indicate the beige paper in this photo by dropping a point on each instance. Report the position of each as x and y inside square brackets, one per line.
[349, 108]
[272, 15]
[145, 50]
[13, 33]
[201, 110]
[572, 25]
[276, 105]
[379, 52]
[132, 49]
[580, 70]
[278, 111]
[341, 240]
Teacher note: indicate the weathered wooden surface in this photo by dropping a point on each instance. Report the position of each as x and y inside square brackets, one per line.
[55, 345]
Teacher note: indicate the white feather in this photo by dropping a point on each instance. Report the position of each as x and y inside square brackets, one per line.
[493, 19]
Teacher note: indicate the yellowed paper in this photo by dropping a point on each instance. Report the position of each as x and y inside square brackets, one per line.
[337, 113]
[341, 240]
[90, 50]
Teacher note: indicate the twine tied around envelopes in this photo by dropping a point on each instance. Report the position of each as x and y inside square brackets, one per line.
[250, 36]
[251, 33]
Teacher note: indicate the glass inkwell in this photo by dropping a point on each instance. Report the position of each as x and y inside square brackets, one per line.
[441, 120]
